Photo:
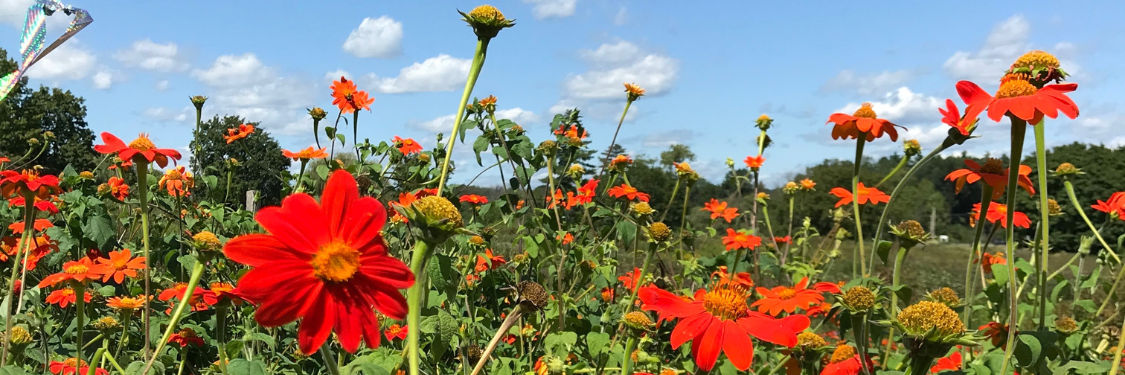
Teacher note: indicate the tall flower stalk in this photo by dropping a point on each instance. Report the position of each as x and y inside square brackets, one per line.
[632, 93]
[860, 142]
[486, 21]
[1019, 129]
[24, 246]
[141, 167]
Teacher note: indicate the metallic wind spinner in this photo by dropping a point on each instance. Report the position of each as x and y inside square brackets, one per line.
[35, 34]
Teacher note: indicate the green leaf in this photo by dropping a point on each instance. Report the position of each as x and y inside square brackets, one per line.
[241, 366]
[1028, 350]
[260, 337]
[441, 273]
[99, 229]
[479, 146]
[626, 231]
[560, 343]
[13, 370]
[444, 334]
[596, 342]
[234, 347]
[884, 250]
[1083, 368]
[135, 368]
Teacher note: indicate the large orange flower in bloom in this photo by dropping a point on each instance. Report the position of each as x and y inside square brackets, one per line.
[306, 154]
[628, 192]
[1114, 206]
[66, 296]
[126, 303]
[325, 264]
[118, 188]
[43, 245]
[173, 295]
[142, 146]
[39, 225]
[631, 279]
[783, 298]
[718, 320]
[754, 162]
[14, 183]
[489, 261]
[993, 173]
[999, 212]
[80, 271]
[347, 97]
[242, 131]
[1019, 98]
[951, 363]
[737, 240]
[74, 366]
[864, 122]
[474, 199]
[40, 204]
[720, 209]
[406, 146]
[121, 264]
[845, 361]
[178, 181]
[875, 196]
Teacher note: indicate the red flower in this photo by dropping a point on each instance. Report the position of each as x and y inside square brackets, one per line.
[740, 240]
[1018, 98]
[395, 331]
[40, 204]
[566, 239]
[489, 261]
[65, 296]
[718, 320]
[407, 146]
[999, 212]
[585, 195]
[754, 162]
[73, 366]
[42, 246]
[630, 279]
[875, 196]
[121, 264]
[13, 184]
[185, 337]
[142, 147]
[720, 209]
[1114, 206]
[997, 332]
[952, 116]
[783, 298]
[222, 292]
[197, 301]
[782, 240]
[306, 154]
[81, 271]
[242, 131]
[361, 101]
[993, 173]
[629, 192]
[342, 92]
[39, 225]
[863, 121]
[325, 264]
[474, 199]
[987, 260]
[845, 361]
[951, 363]
[118, 189]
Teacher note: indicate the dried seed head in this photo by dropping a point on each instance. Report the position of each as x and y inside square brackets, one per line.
[945, 296]
[531, 295]
[659, 232]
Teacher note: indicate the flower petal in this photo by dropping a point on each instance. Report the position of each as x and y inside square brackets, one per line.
[317, 323]
[737, 345]
[298, 223]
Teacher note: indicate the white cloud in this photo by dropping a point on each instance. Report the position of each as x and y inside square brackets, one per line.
[71, 61]
[165, 114]
[612, 65]
[441, 73]
[552, 8]
[162, 85]
[444, 124]
[662, 139]
[146, 54]
[904, 107]
[867, 84]
[1004, 44]
[232, 70]
[336, 74]
[622, 17]
[375, 37]
[103, 80]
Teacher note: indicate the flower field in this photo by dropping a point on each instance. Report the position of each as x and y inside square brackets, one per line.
[375, 263]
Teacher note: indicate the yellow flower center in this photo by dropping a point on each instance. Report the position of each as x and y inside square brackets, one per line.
[865, 111]
[77, 269]
[1002, 209]
[221, 287]
[335, 262]
[862, 190]
[142, 143]
[810, 340]
[787, 293]
[1014, 86]
[173, 174]
[924, 316]
[74, 362]
[120, 263]
[487, 12]
[859, 297]
[726, 303]
[843, 353]
[1035, 59]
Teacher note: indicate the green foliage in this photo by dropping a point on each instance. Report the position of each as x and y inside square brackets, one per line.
[259, 155]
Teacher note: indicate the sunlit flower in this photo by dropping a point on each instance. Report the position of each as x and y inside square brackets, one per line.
[325, 264]
[619, 162]
[718, 320]
[177, 181]
[16, 184]
[1019, 98]
[585, 195]
[395, 331]
[43, 245]
[1114, 206]
[80, 271]
[865, 194]
[173, 295]
[74, 366]
[629, 192]
[474, 199]
[633, 92]
[808, 184]
[740, 240]
[863, 121]
[185, 337]
[142, 147]
[242, 131]
[952, 116]
[121, 264]
[39, 225]
[489, 261]
[845, 361]
[950, 363]
[999, 212]
[118, 189]
[343, 91]
[65, 296]
[754, 162]
[306, 154]
[992, 173]
[360, 100]
[126, 303]
[631, 279]
[988, 260]
[782, 298]
[720, 209]
[565, 239]
[41, 204]
[406, 146]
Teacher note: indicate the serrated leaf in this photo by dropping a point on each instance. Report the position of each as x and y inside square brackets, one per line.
[560, 343]
[135, 368]
[241, 366]
[99, 229]
[626, 231]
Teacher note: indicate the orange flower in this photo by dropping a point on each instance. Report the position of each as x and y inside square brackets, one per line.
[118, 189]
[121, 264]
[140, 147]
[407, 146]
[126, 303]
[176, 292]
[13, 184]
[999, 212]
[306, 154]
[343, 91]
[361, 101]
[80, 271]
[571, 132]
[222, 292]
[740, 240]
[952, 116]
[619, 162]
[185, 337]
[988, 260]
[630, 279]
[845, 361]
[566, 239]
[1114, 206]
[865, 194]
[39, 225]
[74, 366]
[720, 209]
[807, 184]
[474, 199]
[489, 261]
[178, 181]
[585, 195]
[863, 121]
[785, 299]
[554, 199]
[629, 192]
[993, 173]
[242, 131]
[65, 296]
[471, 280]
[754, 162]
[41, 204]
[608, 294]
[1019, 98]
[997, 332]
[951, 363]
[43, 245]
[633, 91]
[395, 331]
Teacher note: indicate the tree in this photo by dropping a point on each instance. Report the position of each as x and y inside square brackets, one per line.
[26, 114]
[676, 153]
[259, 156]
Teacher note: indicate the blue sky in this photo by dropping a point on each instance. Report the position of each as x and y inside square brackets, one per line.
[710, 69]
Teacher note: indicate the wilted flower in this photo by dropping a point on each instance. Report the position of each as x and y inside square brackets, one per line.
[910, 233]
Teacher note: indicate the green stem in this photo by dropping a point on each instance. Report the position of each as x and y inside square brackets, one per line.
[896, 280]
[671, 199]
[1019, 129]
[414, 303]
[474, 72]
[125, 320]
[1112, 290]
[974, 251]
[183, 360]
[220, 336]
[605, 164]
[196, 274]
[683, 222]
[230, 179]
[80, 318]
[901, 163]
[25, 242]
[94, 361]
[1044, 217]
[1097, 233]
[859, 332]
[1116, 364]
[894, 194]
[329, 361]
[855, 202]
[141, 166]
[788, 233]
[301, 177]
[627, 360]
[113, 361]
